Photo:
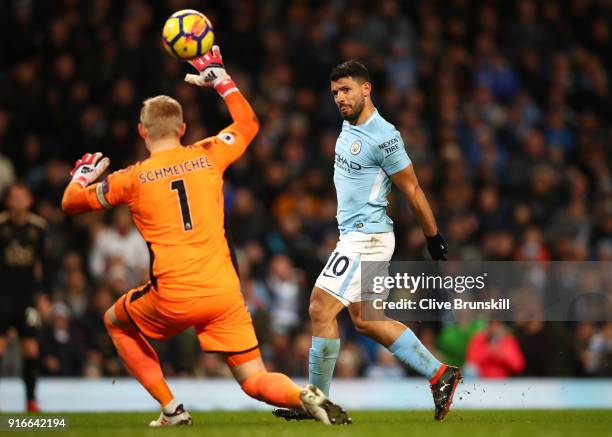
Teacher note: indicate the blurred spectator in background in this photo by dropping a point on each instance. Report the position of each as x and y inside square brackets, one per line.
[385, 366]
[350, 362]
[62, 352]
[7, 174]
[494, 353]
[284, 284]
[101, 358]
[599, 353]
[455, 336]
[256, 296]
[120, 248]
[539, 339]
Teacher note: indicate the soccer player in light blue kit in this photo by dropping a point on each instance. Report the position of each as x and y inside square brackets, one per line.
[370, 154]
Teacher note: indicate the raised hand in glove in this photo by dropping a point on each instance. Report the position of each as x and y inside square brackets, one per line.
[212, 73]
[89, 168]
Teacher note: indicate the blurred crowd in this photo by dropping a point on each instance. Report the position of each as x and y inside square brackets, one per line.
[501, 104]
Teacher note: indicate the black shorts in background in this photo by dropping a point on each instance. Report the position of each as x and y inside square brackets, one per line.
[22, 315]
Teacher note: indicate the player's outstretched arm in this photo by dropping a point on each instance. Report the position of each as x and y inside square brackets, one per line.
[212, 73]
[408, 183]
[78, 194]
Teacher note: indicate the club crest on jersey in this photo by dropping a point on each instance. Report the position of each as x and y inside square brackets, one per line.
[227, 138]
[356, 147]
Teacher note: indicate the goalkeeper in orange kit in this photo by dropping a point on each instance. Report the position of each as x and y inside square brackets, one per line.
[176, 200]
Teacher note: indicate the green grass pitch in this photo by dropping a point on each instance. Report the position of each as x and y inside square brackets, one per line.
[458, 423]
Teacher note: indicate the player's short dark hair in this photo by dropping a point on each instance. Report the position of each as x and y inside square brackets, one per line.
[352, 68]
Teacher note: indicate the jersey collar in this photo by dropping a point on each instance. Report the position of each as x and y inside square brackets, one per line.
[370, 118]
[157, 152]
[365, 123]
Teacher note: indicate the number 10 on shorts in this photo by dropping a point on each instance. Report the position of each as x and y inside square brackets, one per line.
[336, 266]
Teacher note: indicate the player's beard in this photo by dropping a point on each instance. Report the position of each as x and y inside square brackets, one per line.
[356, 112]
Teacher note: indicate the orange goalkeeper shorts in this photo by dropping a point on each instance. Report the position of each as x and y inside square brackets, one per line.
[222, 322]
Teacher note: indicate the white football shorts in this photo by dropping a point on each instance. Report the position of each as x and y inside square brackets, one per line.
[341, 276]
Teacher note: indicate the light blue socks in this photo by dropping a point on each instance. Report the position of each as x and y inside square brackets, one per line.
[407, 349]
[410, 351]
[323, 356]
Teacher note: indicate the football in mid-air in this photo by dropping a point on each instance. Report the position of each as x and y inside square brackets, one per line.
[187, 34]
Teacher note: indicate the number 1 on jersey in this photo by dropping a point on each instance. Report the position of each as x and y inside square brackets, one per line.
[179, 186]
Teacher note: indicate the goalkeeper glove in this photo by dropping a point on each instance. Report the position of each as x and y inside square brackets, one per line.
[212, 73]
[89, 168]
[438, 247]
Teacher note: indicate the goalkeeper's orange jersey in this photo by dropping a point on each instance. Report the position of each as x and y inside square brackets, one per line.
[176, 200]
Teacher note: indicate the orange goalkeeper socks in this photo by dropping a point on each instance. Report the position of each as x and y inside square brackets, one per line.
[273, 388]
[141, 360]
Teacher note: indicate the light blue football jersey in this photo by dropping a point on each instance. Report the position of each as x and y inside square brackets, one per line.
[366, 156]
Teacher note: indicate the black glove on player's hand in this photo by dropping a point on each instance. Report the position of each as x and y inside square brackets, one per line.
[438, 247]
